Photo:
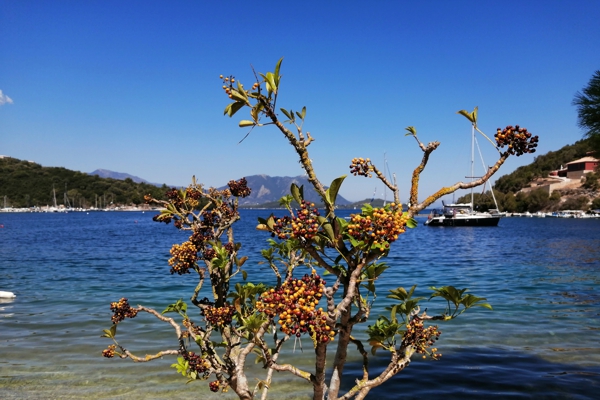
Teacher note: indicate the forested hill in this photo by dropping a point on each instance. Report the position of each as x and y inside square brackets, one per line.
[542, 165]
[27, 184]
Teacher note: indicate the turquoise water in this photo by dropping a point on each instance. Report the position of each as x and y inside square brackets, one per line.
[541, 276]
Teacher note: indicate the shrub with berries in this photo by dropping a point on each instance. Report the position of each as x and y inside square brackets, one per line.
[242, 318]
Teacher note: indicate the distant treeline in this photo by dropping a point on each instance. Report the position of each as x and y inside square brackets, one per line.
[27, 184]
[542, 165]
[534, 201]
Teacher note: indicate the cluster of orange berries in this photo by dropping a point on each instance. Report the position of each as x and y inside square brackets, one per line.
[109, 352]
[305, 225]
[295, 304]
[518, 140]
[197, 363]
[239, 188]
[422, 338]
[362, 167]
[121, 309]
[228, 84]
[184, 258]
[383, 226]
[218, 316]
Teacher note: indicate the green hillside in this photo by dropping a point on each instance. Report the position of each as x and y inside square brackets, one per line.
[542, 165]
[27, 184]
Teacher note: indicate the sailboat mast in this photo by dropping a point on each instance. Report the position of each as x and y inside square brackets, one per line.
[472, 162]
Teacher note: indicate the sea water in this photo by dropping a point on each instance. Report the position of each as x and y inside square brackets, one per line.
[540, 341]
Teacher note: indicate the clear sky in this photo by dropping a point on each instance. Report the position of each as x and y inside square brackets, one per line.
[132, 86]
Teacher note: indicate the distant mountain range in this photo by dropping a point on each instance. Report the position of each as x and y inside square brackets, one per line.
[104, 173]
[265, 189]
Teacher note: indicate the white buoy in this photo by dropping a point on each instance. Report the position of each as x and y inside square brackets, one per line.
[7, 295]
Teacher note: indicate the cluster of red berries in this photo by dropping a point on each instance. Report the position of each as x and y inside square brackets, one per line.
[295, 304]
[518, 140]
[218, 316]
[421, 338]
[197, 363]
[214, 386]
[121, 309]
[305, 225]
[382, 226]
[361, 167]
[109, 352]
[239, 188]
[184, 258]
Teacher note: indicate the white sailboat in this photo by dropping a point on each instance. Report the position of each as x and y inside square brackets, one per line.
[464, 214]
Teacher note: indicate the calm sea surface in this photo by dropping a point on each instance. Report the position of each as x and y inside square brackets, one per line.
[540, 275]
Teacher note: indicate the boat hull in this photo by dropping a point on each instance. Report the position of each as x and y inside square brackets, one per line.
[466, 221]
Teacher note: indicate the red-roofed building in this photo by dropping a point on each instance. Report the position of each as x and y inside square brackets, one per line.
[578, 168]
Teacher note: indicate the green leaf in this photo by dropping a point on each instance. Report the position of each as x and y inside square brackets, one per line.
[271, 222]
[277, 67]
[241, 91]
[254, 112]
[412, 223]
[270, 81]
[333, 190]
[411, 131]
[110, 333]
[244, 274]
[287, 114]
[473, 301]
[244, 123]
[297, 193]
[470, 116]
[232, 108]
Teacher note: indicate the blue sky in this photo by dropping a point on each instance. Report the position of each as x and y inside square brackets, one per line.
[133, 86]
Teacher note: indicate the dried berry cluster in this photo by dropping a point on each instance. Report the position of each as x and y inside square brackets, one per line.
[109, 352]
[193, 194]
[518, 140]
[214, 386]
[197, 363]
[218, 316]
[421, 338]
[305, 225]
[121, 309]
[361, 167]
[166, 218]
[239, 188]
[189, 324]
[294, 303]
[382, 227]
[184, 258]
[174, 197]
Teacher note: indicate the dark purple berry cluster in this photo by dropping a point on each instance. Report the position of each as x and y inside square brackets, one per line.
[518, 140]
[239, 188]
